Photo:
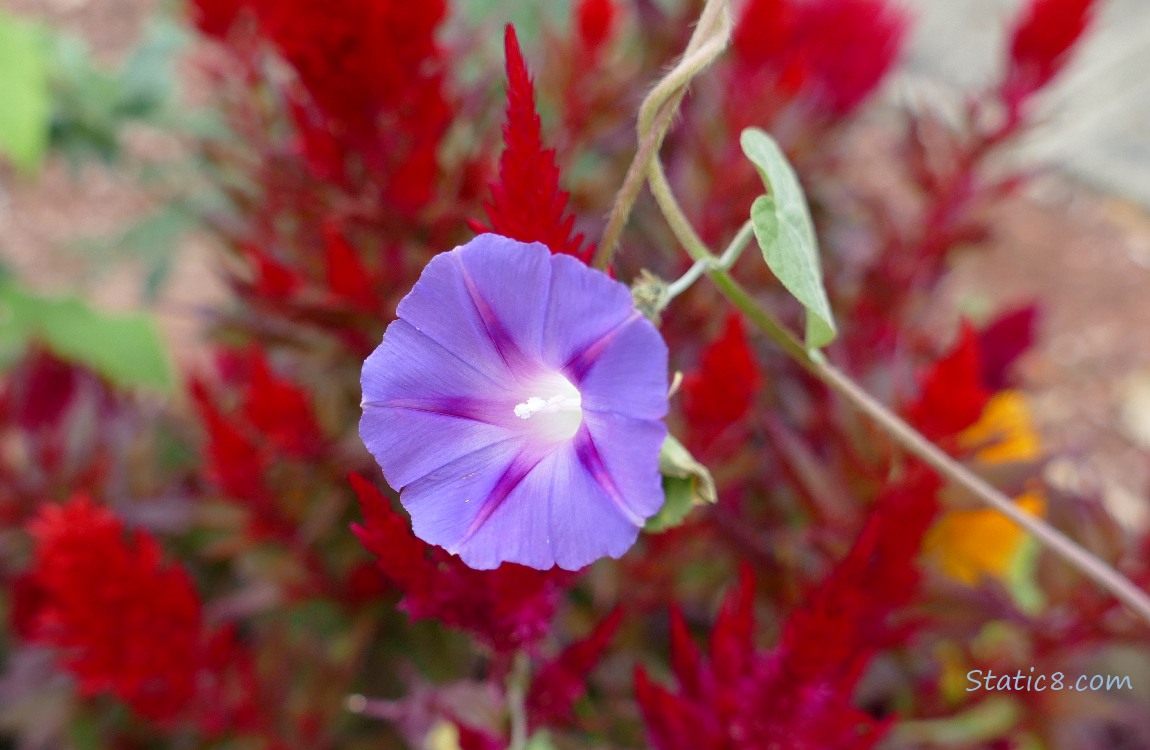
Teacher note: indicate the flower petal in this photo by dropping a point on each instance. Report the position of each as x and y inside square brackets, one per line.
[400, 437]
[624, 372]
[440, 307]
[557, 514]
[584, 305]
[510, 282]
[409, 366]
[622, 454]
[448, 505]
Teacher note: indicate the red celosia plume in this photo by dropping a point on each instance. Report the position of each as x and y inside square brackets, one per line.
[799, 694]
[953, 395]
[561, 682]
[506, 608]
[1003, 341]
[527, 203]
[595, 20]
[722, 390]
[123, 621]
[834, 52]
[1041, 43]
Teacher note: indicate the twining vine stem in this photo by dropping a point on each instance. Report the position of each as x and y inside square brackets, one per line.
[712, 34]
[517, 700]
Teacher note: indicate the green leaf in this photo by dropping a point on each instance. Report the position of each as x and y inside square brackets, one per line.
[686, 483]
[126, 349]
[983, 722]
[25, 106]
[541, 740]
[786, 234]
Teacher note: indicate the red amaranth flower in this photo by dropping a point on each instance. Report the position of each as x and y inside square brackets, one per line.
[527, 203]
[834, 52]
[799, 694]
[1043, 38]
[373, 73]
[347, 278]
[215, 17]
[1003, 341]
[562, 681]
[124, 621]
[233, 460]
[723, 388]
[507, 608]
[595, 20]
[952, 396]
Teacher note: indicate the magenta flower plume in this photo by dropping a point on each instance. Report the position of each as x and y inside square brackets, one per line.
[517, 404]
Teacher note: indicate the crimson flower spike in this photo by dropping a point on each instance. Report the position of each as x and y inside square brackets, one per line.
[527, 203]
[1041, 43]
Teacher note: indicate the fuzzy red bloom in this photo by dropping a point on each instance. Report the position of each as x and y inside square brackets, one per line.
[274, 414]
[278, 409]
[125, 622]
[233, 460]
[374, 73]
[845, 619]
[835, 52]
[358, 57]
[271, 280]
[215, 17]
[722, 390]
[799, 694]
[1043, 38]
[953, 395]
[1003, 341]
[347, 278]
[506, 608]
[526, 203]
[561, 682]
[595, 20]
[129, 624]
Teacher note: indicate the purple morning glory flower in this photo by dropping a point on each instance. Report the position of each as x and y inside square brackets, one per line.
[517, 405]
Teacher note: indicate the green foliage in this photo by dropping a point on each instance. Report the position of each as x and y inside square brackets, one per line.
[529, 19]
[541, 740]
[25, 104]
[126, 349]
[786, 234]
[90, 106]
[686, 483]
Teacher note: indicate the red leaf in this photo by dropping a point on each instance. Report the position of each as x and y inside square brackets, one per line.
[595, 20]
[271, 279]
[721, 391]
[347, 278]
[1002, 342]
[1042, 40]
[233, 461]
[506, 608]
[399, 555]
[800, 694]
[279, 410]
[952, 396]
[685, 658]
[526, 203]
[561, 682]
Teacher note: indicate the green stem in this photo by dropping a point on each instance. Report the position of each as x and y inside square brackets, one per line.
[905, 435]
[517, 700]
[711, 36]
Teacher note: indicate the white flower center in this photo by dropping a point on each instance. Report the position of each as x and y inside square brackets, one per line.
[554, 408]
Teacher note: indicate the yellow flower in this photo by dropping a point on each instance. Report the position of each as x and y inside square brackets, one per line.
[1004, 433]
[971, 544]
